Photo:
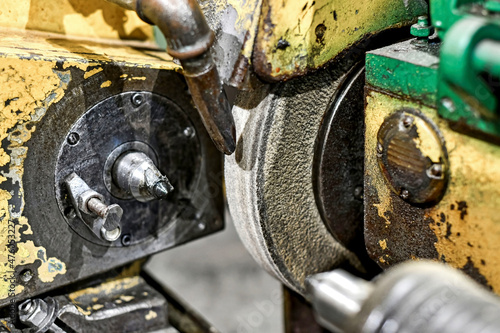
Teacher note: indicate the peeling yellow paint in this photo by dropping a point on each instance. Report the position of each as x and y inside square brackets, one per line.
[466, 220]
[317, 31]
[383, 244]
[92, 72]
[90, 18]
[29, 87]
[106, 84]
[151, 315]
[126, 298]
[377, 116]
[97, 306]
[140, 78]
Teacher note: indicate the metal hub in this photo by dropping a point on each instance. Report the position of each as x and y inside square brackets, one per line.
[122, 127]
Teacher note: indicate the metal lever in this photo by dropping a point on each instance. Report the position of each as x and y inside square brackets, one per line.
[101, 219]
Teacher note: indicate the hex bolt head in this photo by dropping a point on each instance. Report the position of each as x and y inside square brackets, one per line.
[137, 99]
[435, 171]
[73, 138]
[422, 29]
[37, 313]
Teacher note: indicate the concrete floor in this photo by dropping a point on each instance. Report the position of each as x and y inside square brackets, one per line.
[218, 278]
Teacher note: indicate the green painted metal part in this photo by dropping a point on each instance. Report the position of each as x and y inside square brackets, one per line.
[408, 69]
[464, 94]
[445, 13]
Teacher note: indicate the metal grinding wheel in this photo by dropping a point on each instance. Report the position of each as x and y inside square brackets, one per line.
[270, 188]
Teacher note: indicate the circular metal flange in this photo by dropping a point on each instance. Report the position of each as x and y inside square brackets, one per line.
[412, 157]
[120, 123]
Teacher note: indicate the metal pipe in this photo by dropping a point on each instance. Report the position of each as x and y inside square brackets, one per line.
[189, 39]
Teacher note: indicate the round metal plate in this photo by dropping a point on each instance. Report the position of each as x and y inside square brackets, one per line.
[154, 125]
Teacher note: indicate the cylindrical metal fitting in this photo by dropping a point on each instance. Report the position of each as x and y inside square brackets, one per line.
[189, 39]
[410, 298]
[136, 174]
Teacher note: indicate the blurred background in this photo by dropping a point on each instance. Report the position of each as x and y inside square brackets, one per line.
[217, 277]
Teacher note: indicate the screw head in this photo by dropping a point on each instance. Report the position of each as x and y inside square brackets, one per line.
[137, 99]
[26, 275]
[436, 171]
[188, 132]
[126, 240]
[405, 194]
[73, 138]
[407, 121]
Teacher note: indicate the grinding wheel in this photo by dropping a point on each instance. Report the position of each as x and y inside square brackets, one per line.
[269, 182]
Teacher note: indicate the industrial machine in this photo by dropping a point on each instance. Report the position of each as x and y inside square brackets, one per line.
[362, 135]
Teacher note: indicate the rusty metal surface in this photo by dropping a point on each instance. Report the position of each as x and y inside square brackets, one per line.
[462, 229]
[296, 37]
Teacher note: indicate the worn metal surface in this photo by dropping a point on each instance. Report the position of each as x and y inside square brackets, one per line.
[124, 304]
[269, 179]
[158, 123]
[412, 156]
[86, 18]
[320, 31]
[48, 84]
[462, 229]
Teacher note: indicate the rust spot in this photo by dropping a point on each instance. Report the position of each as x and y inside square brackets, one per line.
[305, 6]
[278, 70]
[452, 207]
[335, 15]
[474, 273]
[442, 217]
[462, 207]
[448, 231]
[320, 33]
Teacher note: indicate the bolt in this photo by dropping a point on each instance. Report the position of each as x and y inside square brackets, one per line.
[422, 29]
[73, 138]
[126, 240]
[189, 132]
[111, 214]
[435, 171]
[405, 194]
[26, 275]
[37, 313]
[137, 99]
[407, 121]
